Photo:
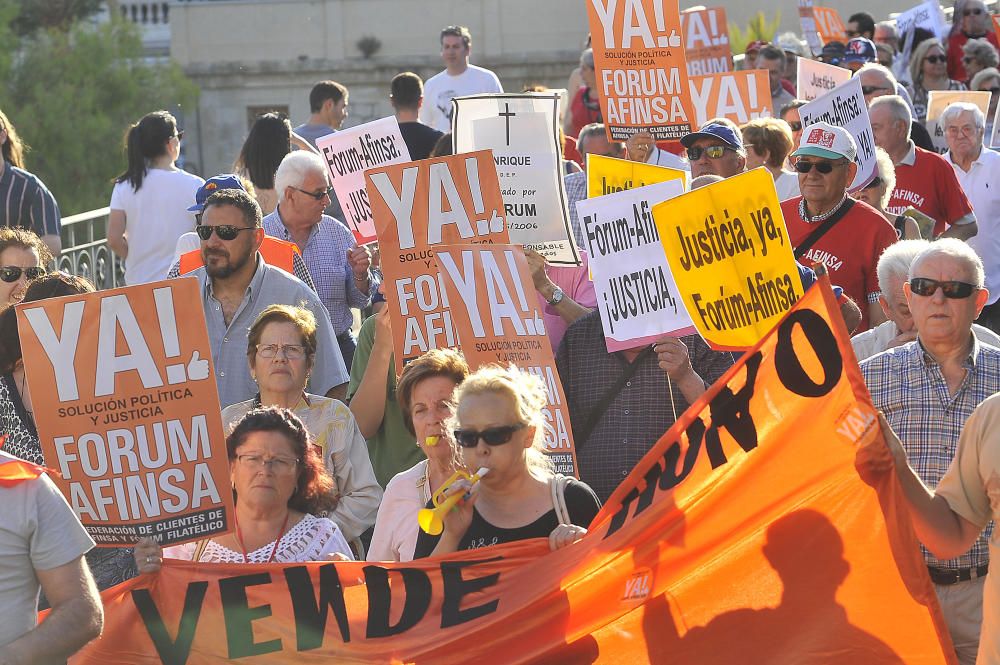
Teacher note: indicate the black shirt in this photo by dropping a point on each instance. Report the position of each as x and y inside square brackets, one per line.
[581, 503]
[419, 139]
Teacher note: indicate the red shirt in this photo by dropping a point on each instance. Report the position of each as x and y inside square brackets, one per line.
[849, 250]
[956, 68]
[929, 184]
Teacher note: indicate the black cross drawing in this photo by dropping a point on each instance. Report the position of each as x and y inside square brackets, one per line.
[508, 115]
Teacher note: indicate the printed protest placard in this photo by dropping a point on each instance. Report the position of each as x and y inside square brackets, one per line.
[640, 68]
[829, 25]
[729, 254]
[926, 15]
[938, 101]
[636, 294]
[844, 106]
[128, 411]
[522, 130]
[808, 22]
[418, 206]
[607, 175]
[348, 154]
[706, 41]
[495, 308]
[815, 78]
[739, 96]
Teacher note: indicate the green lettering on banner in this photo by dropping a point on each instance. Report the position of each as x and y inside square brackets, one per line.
[172, 652]
[239, 616]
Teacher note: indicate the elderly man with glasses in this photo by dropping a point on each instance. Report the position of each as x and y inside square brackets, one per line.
[927, 389]
[827, 226]
[715, 149]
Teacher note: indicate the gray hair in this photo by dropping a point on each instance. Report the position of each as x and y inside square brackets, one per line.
[982, 52]
[587, 58]
[896, 260]
[881, 69]
[955, 109]
[705, 181]
[897, 106]
[982, 75]
[890, 28]
[593, 129]
[887, 172]
[957, 249]
[294, 168]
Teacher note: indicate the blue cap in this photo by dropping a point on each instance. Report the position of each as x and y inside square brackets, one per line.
[211, 186]
[860, 49]
[714, 130]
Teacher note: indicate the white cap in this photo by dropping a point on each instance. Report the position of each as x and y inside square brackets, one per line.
[822, 139]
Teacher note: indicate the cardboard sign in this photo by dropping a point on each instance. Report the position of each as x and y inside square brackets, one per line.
[494, 305]
[607, 175]
[636, 294]
[128, 411]
[522, 130]
[829, 25]
[641, 69]
[418, 206]
[730, 256]
[348, 154]
[938, 101]
[844, 106]
[706, 41]
[739, 96]
[730, 542]
[809, 32]
[815, 78]
[926, 15]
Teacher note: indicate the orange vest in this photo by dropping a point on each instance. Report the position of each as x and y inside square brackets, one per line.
[276, 252]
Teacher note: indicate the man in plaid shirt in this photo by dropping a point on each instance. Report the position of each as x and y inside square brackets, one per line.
[927, 389]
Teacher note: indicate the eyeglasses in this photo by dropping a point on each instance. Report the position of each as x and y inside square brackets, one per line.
[179, 135]
[853, 33]
[280, 466]
[224, 231]
[494, 436]
[290, 351]
[967, 59]
[796, 126]
[936, 59]
[316, 195]
[972, 12]
[876, 181]
[11, 274]
[869, 89]
[954, 130]
[713, 152]
[923, 286]
[822, 167]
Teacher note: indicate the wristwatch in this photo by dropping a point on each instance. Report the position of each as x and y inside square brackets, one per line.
[557, 297]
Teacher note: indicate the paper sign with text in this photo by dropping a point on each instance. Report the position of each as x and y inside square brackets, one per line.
[844, 106]
[829, 25]
[641, 69]
[815, 79]
[938, 101]
[496, 311]
[418, 206]
[348, 154]
[739, 96]
[926, 15]
[607, 175]
[128, 412]
[808, 22]
[522, 130]
[730, 256]
[636, 294]
[706, 41]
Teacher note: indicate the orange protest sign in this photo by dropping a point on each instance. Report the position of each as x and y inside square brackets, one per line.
[744, 536]
[706, 41]
[417, 206]
[494, 306]
[128, 411]
[739, 96]
[640, 67]
[829, 25]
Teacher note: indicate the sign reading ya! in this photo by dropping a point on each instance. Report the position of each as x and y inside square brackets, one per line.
[128, 411]
[416, 207]
[706, 41]
[739, 96]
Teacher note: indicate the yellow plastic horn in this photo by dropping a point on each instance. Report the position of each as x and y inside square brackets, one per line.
[431, 520]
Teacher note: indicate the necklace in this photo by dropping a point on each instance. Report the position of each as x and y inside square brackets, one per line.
[806, 217]
[239, 538]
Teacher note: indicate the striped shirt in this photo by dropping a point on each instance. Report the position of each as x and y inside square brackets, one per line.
[907, 385]
[25, 202]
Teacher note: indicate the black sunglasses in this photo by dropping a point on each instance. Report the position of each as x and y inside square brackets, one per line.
[494, 436]
[935, 59]
[822, 167]
[972, 12]
[876, 181]
[713, 152]
[224, 231]
[316, 195]
[11, 274]
[869, 89]
[796, 126]
[924, 286]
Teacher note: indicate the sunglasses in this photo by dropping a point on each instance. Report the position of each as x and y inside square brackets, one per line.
[822, 167]
[972, 12]
[869, 89]
[316, 195]
[224, 231]
[179, 134]
[936, 59]
[923, 286]
[876, 181]
[795, 126]
[713, 152]
[494, 436]
[11, 274]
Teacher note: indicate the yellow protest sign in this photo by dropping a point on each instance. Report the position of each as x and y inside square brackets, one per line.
[607, 175]
[730, 256]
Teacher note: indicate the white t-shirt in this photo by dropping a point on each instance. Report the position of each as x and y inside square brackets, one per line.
[787, 185]
[155, 217]
[442, 87]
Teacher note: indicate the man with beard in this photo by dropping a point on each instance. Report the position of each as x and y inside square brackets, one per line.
[236, 285]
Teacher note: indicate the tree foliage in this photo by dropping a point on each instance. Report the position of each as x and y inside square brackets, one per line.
[759, 28]
[35, 15]
[73, 93]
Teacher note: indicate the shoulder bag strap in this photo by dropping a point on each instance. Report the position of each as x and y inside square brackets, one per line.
[580, 437]
[821, 230]
[557, 484]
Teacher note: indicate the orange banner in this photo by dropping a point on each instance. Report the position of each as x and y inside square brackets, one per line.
[417, 206]
[744, 536]
[640, 67]
[706, 41]
[494, 306]
[128, 411]
[829, 25]
[739, 96]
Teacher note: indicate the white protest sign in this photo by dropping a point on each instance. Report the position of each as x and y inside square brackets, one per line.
[844, 106]
[522, 131]
[938, 101]
[636, 294]
[808, 22]
[926, 15]
[815, 78]
[348, 154]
